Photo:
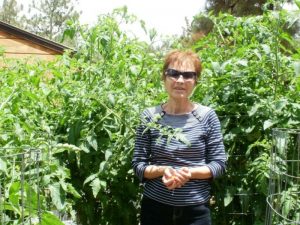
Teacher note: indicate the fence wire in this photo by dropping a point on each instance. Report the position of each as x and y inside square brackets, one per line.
[283, 200]
[19, 186]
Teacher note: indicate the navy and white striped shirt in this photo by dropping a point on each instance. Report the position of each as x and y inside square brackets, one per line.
[197, 141]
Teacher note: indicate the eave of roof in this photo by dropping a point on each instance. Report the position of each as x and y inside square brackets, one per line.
[33, 37]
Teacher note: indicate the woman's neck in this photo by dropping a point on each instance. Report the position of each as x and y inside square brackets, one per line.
[178, 107]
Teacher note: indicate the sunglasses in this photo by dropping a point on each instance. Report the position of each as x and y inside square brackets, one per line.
[176, 74]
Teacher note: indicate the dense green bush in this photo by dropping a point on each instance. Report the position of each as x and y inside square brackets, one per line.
[249, 78]
[83, 110]
[113, 78]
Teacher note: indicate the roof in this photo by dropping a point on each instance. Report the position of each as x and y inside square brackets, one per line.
[33, 37]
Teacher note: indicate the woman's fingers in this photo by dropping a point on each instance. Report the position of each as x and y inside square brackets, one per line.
[167, 181]
[185, 172]
[176, 178]
[169, 178]
[183, 175]
[179, 178]
[169, 172]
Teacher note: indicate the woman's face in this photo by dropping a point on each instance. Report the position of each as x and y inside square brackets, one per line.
[179, 87]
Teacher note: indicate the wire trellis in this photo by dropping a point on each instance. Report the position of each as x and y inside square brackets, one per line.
[283, 200]
[19, 186]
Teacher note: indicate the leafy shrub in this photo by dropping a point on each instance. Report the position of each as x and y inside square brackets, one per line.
[249, 78]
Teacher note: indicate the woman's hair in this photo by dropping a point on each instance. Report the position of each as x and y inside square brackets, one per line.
[181, 56]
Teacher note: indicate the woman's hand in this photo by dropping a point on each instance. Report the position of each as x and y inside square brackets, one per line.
[176, 178]
[183, 175]
[169, 178]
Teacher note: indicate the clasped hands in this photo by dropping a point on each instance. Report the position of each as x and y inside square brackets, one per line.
[176, 178]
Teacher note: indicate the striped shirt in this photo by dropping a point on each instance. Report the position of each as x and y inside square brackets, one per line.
[191, 140]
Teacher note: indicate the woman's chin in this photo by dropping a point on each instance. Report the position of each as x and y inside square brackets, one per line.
[179, 96]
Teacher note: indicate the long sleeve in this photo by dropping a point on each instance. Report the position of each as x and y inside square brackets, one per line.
[215, 152]
[142, 151]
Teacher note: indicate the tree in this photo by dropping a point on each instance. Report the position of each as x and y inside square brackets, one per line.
[10, 11]
[202, 25]
[48, 17]
[241, 7]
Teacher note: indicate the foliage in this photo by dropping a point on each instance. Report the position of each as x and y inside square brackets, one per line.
[89, 103]
[23, 123]
[106, 97]
[242, 8]
[10, 12]
[249, 79]
[284, 176]
[48, 18]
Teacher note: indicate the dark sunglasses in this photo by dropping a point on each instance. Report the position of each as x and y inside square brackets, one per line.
[176, 74]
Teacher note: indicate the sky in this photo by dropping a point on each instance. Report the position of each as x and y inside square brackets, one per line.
[166, 16]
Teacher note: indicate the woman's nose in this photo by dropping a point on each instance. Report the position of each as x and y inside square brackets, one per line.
[180, 79]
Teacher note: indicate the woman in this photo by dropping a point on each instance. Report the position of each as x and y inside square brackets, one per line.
[178, 150]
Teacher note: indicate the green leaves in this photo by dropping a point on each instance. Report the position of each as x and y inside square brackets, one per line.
[57, 195]
[249, 79]
[96, 183]
[58, 148]
[115, 78]
[50, 219]
[3, 166]
[229, 195]
[297, 2]
[268, 124]
[93, 142]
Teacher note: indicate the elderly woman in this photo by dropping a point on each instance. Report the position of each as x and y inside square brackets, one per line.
[179, 150]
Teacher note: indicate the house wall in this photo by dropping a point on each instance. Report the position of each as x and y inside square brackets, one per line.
[17, 47]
